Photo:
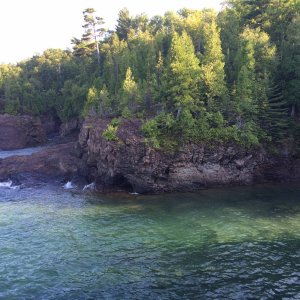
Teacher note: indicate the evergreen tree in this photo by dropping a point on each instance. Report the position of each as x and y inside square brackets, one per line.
[124, 24]
[192, 21]
[116, 62]
[140, 23]
[212, 68]
[130, 94]
[246, 86]
[93, 33]
[290, 67]
[182, 75]
[246, 104]
[142, 54]
[273, 115]
[229, 23]
[98, 102]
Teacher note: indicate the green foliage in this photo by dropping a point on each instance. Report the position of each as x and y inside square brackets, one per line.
[130, 93]
[89, 41]
[212, 68]
[126, 113]
[152, 133]
[98, 102]
[159, 132]
[124, 23]
[92, 102]
[12, 107]
[71, 103]
[249, 136]
[291, 63]
[273, 29]
[116, 62]
[246, 105]
[193, 74]
[110, 133]
[182, 74]
[115, 122]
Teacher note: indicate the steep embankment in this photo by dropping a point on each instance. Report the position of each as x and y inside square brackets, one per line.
[56, 159]
[53, 161]
[18, 132]
[131, 164]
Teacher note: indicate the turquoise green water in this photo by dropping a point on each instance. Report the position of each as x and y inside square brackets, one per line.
[239, 243]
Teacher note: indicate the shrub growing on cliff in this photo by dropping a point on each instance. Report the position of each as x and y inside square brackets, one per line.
[98, 102]
[195, 75]
[151, 131]
[161, 131]
[110, 133]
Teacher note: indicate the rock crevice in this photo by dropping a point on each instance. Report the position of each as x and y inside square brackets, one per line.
[132, 165]
[193, 166]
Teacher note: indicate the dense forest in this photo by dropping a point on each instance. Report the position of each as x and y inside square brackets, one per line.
[197, 74]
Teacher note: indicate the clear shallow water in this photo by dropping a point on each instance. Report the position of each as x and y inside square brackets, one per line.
[239, 243]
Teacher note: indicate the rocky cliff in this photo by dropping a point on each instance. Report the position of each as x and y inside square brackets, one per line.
[56, 159]
[54, 162]
[18, 132]
[132, 165]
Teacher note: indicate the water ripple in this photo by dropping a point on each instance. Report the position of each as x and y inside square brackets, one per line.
[55, 245]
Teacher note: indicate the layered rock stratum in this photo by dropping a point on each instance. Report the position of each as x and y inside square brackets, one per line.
[132, 164]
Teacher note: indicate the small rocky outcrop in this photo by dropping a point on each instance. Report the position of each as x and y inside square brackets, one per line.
[132, 165]
[58, 159]
[55, 161]
[18, 132]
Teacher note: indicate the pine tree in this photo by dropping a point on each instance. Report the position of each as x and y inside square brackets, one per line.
[124, 24]
[182, 75]
[116, 63]
[290, 67]
[142, 54]
[229, 23]
[93, 33]
[212, 68]
[245, 102]
[273, 116]
[98, 102]
[130, 93]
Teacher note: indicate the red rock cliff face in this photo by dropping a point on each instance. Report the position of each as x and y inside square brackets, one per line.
[131, 164]
[18, 132]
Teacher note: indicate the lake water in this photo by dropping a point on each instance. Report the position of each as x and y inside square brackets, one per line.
[237, 243]
[19, 152]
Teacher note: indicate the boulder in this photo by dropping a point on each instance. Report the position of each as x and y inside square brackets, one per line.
[55, 161]
[18, 132]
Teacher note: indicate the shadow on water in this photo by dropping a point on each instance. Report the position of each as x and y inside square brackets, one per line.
[267, 201]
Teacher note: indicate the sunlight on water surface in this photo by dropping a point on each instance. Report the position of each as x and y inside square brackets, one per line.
[236, 243]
